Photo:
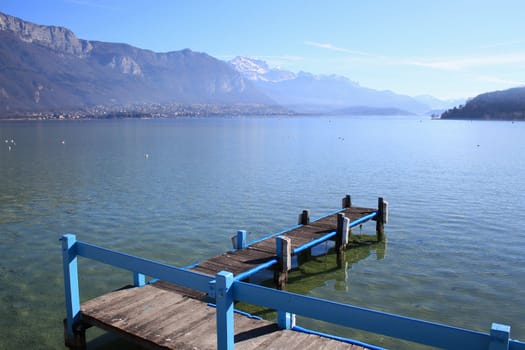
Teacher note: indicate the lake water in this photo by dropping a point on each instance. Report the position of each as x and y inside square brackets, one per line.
[176, 191]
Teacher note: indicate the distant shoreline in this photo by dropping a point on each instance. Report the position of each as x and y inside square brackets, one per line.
[192, 112]
[153, 112]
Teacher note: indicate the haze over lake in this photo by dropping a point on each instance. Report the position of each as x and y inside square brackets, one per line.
[176, 190]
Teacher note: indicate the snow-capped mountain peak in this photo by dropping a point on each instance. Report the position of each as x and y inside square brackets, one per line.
[255, 69]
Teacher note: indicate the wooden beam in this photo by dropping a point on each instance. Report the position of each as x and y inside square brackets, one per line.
[284, 255]
[341, 237]
[380, 219]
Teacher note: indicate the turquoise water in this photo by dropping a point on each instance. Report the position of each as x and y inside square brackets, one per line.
[176, 190]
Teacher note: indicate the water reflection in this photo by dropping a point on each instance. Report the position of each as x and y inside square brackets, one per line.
[318, 269]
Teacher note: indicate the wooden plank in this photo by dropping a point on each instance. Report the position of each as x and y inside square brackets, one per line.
[192, 293]
[357, 212]
[195, 320]
[249, 256]
[204, 270]
[324, 227]
[147, 321]
[218, 266]
[309, 230]
[252, 256]
[312, 232]
[267, 246]
[257, 256]
[112, 305]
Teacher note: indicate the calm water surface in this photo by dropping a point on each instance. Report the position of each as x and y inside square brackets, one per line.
[455, 237]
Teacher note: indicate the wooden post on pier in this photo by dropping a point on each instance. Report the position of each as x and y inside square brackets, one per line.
[78, 340]
[381, 218]
[284, 254]
[341, 238]
[347, 202]
[304, 218]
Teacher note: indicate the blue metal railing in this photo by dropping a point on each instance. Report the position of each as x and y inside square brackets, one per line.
[240, 241]
[352, 224]
[226, 289]
[256, 269]
[401, 327]
[315, 242]
[363, 219]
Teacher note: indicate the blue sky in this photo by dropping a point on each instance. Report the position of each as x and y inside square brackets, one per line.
[445, 48]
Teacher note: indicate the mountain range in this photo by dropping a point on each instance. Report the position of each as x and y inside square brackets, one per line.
[306, 92]
[47, 68]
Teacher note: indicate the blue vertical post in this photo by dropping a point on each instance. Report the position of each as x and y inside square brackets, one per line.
[285, 320]
[69, 261]
[499, 337]
[139, 280]
[241, 239]
[224, 312]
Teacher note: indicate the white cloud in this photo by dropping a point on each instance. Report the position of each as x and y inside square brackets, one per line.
[492, 79]
[91, 3]
[459, 63]
[331, 47]
[502, 44]
[440, 63]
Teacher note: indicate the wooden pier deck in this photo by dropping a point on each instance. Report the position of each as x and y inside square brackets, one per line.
[163, 315]
[242, 260]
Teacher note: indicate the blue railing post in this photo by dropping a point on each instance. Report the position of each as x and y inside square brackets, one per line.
[224, 312]
[69, 261]
[285, 320]
[139, 280]
[241, 239]
[499, 337]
